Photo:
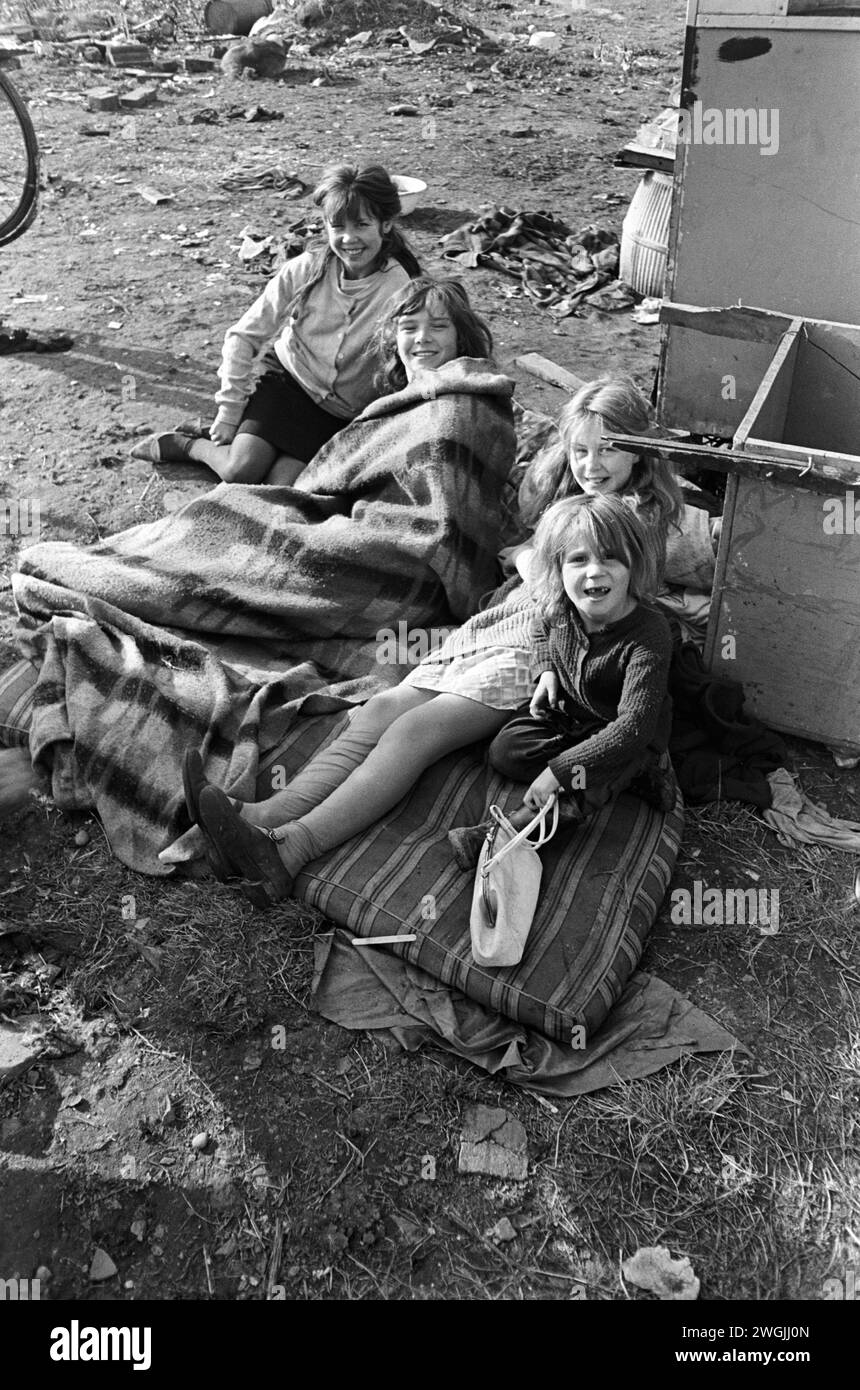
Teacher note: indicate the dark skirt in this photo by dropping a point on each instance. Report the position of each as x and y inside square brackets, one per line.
[283, 414]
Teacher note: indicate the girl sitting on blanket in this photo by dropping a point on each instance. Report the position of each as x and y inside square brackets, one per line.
[458, 696]
[316, 317]
[428, 325]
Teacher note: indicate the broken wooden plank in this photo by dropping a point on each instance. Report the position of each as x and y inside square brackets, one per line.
[748, 324]
[635, 156]
[548, 371]
[816, 470]
[153, 195]
[767, 413]
[122, 53]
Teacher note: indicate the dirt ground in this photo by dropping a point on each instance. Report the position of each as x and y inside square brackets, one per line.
[313, 1182]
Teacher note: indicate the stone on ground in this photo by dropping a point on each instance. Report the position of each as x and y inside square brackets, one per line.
[493, 1142]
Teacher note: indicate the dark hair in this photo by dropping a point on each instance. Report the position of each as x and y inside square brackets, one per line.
[620, 405]
[347, 192]
[613, 529]
[474, 338]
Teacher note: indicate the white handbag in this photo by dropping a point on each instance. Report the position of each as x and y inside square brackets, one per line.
[507, 883]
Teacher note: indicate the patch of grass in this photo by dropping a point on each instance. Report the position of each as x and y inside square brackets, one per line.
[226, 968]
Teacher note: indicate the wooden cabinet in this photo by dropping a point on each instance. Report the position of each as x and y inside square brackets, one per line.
[766, 209]
[785, 617]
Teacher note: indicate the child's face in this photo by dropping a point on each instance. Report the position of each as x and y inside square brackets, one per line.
[426, 339]
[597, 585]
[595, 466]
[356, 241]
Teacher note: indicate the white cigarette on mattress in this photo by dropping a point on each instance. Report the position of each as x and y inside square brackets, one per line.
[382, 940]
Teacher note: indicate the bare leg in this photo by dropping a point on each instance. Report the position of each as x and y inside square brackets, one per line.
[284, 471]
[17, 780]
[408, 746]
[247, 460]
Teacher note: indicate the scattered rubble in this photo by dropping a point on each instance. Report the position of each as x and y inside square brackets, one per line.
[102, 1266]
[127, 55]
[266, 58]
[652, 1268]
[414, 24]
[493, 1142]
[503, 1231]
[21, 1045]
[102, 99]
[139, 97]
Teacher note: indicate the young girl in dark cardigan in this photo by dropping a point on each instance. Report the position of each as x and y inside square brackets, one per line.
[600, 658]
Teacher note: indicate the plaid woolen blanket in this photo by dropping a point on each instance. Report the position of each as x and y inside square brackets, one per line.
[215, 626]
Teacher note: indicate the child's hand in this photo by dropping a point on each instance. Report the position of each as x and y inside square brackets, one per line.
[222, 433]
[545, 696]
[541, 790]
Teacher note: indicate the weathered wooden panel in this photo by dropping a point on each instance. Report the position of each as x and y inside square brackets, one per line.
[816, 7]
[713, 362]
[766, 200]
[817, 469]
[740, 7]
[770, 404]
[824, 409]
[697, 9]
[788, 594]
[708, 383]
[772, 220]
[839, 19]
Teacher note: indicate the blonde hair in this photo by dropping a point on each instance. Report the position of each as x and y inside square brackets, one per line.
[610, 526]
[622, 409]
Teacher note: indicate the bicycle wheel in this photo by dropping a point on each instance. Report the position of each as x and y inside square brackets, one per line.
[19, 164]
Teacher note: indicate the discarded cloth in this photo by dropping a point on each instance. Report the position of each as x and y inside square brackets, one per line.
[691, 552]
[212, 115]
[799, 821]
[719, 751]
[428, 27]
[266, 176]
[22, 340]
[265, 252]
[556, 267]
[688, 611]
[650, 1027]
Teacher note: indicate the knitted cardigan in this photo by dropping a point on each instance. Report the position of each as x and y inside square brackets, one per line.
[618, 676]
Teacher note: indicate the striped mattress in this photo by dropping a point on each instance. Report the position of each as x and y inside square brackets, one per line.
[602, 888]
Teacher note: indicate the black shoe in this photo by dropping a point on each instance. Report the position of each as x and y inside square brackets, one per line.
[656, 784]
[466, 841]
[193, 783]
[248, 850]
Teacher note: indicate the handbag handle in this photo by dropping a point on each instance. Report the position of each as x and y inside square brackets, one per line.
[544, 834]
